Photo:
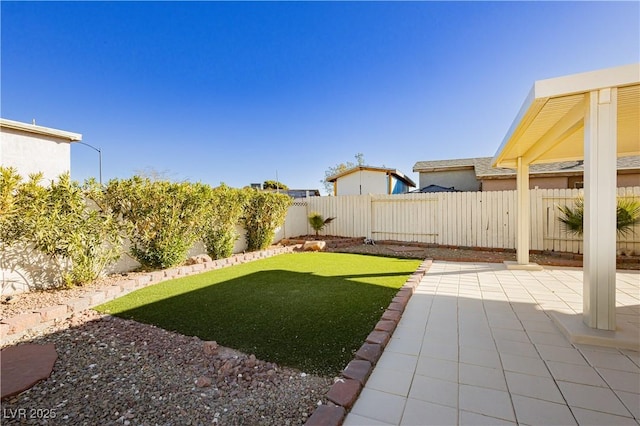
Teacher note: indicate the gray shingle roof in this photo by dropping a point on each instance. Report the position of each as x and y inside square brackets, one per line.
[482, 166]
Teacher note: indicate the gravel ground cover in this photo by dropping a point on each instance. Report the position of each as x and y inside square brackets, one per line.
[112, 371]
[27, 302]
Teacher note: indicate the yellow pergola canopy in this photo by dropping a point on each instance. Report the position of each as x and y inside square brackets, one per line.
[595, 113]
[550, 124]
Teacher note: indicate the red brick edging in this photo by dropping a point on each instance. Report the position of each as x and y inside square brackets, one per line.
[15, 327]
[344, 392]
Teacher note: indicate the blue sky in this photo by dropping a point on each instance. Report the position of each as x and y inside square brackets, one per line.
[233, 92]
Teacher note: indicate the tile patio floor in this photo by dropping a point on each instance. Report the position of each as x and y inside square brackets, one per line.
[476, 346]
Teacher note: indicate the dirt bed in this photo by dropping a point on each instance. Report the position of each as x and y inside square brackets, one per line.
[464, 255]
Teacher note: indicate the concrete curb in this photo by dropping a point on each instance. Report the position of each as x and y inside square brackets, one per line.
[17, 326]
[345, 391]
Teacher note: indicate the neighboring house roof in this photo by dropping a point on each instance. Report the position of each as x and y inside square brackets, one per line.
[394, 172]
[40, 130]
[436, 188]
[483, 169]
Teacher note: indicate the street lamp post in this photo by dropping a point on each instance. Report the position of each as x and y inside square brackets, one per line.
[99, 156]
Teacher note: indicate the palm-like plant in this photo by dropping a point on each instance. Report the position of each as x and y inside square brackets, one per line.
[318, 222]
[627, 215]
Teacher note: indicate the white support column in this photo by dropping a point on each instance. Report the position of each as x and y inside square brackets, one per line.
[523, 228]
[524, 213]
[600, 143]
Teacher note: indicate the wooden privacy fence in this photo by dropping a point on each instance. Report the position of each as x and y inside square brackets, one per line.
[473, 219]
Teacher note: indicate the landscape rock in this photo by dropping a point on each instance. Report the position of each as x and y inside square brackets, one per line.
[203, 382]
[201, 258]
[210, 347]
[110, 369]
[251, 361]
[314, 245]
[10, 299]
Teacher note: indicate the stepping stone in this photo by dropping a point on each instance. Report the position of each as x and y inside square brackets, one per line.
[23, 366]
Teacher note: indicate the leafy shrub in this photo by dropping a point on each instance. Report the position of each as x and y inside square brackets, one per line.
[264, 212]
[12, 203]
[627, 215]
[65, 221]
[95, 236]
[224, 208]
[318, 223]
[164, 219]
[274, 184]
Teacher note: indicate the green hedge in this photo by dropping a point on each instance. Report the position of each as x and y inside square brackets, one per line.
[162, 218]
[264, 213]
[225, 207]
[67, 222]
[82, 227]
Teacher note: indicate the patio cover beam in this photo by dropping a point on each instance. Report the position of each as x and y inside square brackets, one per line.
[565, 127]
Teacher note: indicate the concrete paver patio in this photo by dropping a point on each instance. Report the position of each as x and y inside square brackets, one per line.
[477, 345]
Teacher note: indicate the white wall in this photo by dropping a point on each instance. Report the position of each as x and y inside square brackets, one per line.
[363, 182]
[32, 153]
[24, 269]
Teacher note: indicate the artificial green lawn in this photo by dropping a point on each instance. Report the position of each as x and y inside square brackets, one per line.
[310, 311]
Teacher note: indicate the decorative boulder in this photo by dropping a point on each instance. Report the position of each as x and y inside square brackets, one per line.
[201, 258]
[314, 245]
[210, 347]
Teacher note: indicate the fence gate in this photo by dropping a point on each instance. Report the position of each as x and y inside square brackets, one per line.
[410, 217]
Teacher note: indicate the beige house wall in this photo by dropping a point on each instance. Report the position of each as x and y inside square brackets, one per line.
[628, 179]
[551, 182]
[33, 153]
[554, 182]
[498, 185]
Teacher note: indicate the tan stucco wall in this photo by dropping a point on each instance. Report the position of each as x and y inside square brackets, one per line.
[498, 184]
[31, 153]
[626, 180]
[510, 184]
[553, 182]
